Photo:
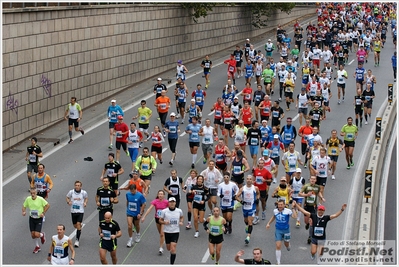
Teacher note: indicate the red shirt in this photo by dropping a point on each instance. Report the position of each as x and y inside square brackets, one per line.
[218, 110]
[156, 137]
[305, 130]
[231, 65]
[259, 174]
[246, 115]
[267, 105]
[247, 91]
[121, 127]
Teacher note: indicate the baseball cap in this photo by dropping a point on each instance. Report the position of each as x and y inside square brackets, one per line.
[120, 117]
[236, 97]
[132, 173]
[303, 89]
[180, 61]
[247, 39]
[321, 207]
[275, 136]
[173, 114]
[298, 170]
[113, 101]
[159, 79]
[172, 199]
[266, 152]
[269, 40]
[192, 100]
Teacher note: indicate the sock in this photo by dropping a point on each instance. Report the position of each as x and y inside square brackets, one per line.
[194, 158]
[288, 104]
[177, 110]
[189, 216]
[361, 120]
[278, 256]
[37, 242]
[172, 258]
[234, 81]
[225, 226]
[357, 122]
[230, 223]
[365, 116]
[41, 234]
[306, 160]
[310, 230]
[246, 223]
[70, 134]
[299, 216]
[78, 232]
[30, 180]
[249, 229]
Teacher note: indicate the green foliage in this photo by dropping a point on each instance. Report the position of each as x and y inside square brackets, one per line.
[260, 11]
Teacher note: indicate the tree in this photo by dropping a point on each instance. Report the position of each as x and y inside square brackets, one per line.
[198, 10]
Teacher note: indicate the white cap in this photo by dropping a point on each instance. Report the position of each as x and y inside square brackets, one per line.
[159, 79]
[193, 100]
[269, 40]
[236, 97]
[113, 101]
[172, 199]
[275, 136]
[247, 39]
[298, 170]
[173, 114]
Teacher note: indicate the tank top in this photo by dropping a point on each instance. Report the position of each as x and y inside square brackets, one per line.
[228, 117]
[156, 137]
[259, 68]
[248, 70]
[182, 96]
[218, 111]
[192, 111]
[275, 148]
[215, 226]
[220, 157]
[235, 109]
[133, 137]
[246, 115]
[40, 185]
[137, 183]
[237, 166]
[60, 246]
[180, 72]
[283, 193]
[296, 186]
[199, 97]
[249, 197]
[208, 135]
[265, 111]
[288, 134]
[174, 186]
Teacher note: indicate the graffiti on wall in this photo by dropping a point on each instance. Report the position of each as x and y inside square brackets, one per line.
[46, 84]
[12, 104]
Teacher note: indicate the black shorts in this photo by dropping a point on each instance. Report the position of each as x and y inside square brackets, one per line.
[256, 104]
[199, 207]
[77, 217]
[221, 166]
[263, 193]
[276, 160]
[321, 181]
[113, 182]
[144, 126]
[349, 143]
[157, 149]
[358, 111]
[341, 85]
[111, 125]
[162, 117]
[334, 158]
[238, 64]
[310, 208]
[35, 225]
[304, 146]
[193, 144]
[119, 144]
[146, 177]
[157, 220]
[31, 167]
[109, 245]
[226, 210]
[217, 121]
[326, 103]
[189, 197]
[171, 238]
[42, 194]
[368, 105]
[213, 192]
[215, 239]
[238, 179]
[228, 126]
[182, 104]
[303, 111]
[262, 117]
[288, 94]
[172, 144]
[74, 122]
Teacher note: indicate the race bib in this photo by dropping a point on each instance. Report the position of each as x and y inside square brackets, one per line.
[58, 251]
[110, 172]
[105, 201]
[145, 167]
[318, 231]
[106, 234]
[198, 198]
[236, 169]
[349, 135]
[34, 214]
[172, 129]
[254, 142]
[231, 68]
[275, 114]
[174, 190]
[194, 136]
[76, 207]
[162, 106]
[32, 158]
[259, 179]
[226, 202]
[214, 229]
[132, 206]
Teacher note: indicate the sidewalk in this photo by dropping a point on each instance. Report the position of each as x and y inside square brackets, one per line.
[57, 135]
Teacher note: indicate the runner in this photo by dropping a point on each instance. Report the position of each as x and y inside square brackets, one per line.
[240, 134]
[193, 111]
[73, 114]
[275, 147]
[369, 95]
[121, 130]
[267, 76]
[282, 215]
[227, 192]
[359, 75]
[199, 95]
[218, 119]
[358, 103]
[181, 70]
[135, 206]
[288, 132]
[231, 68]
[257, 259]
[349, 131]
[238, 57]
[181, 93]
[247, 93]
[212, 177]
[228, 119]
[159, 204]
[112, 170]
[134, 139]
[163, 104]
[321, 166]
[238, 167]
[145, 114]
[208, 133]
[42, 183]
[200, 197]
[296, 185]
[173, 129]
[113, 112]
[193, 130]
[173, 185]
[221, 153]
[290, 160]
[105, 198]
[254, 137]
[333, 145]
[146, 165]
[394, 64]
[265, 107]
[263, 179]
[206, 64]
[215, 231]
[108, 231]
[60, 247]
[33, 153]
[77, 198]
[277, 114]
[248, 195]
[156, 146]
[302, 101]
[172, 218]
[341, 75]
[159, 87]
[190, 181]
[140, 184]
[38, 207]
[304, 132]
[265, 131]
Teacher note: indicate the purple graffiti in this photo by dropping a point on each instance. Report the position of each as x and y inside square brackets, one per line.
[12, 104]
[46, 84]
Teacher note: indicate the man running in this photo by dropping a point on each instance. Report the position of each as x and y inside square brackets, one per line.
[109, 231]
[212, 178]
[257, 259]
[113, 112]
[334, 145]
[173, 129]
[193, 130]
[146, 165]
[42, 182]
[349, 132]
[206, 64]
[144, 114]
[60, 248]
[163, 104]
[208, 133]
[134, 139]
[33, 153]
[105, 199]
[73, 114]
[121, 132]
[135, 205]
[112, 170]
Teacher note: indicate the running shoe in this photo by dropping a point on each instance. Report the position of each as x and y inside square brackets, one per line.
[246, 229]
[312, 256]
[158, 118]
[36, 250]
[352, 164]
[137, 238]
[307, 226]
[348, 167]
[274, 180]
[361, 124]
[298, 223]
[333, 177]
[192, 165]
[305, 165]
[247, 240]
[272, 92]
[289, 247]
[196, 234]
[213, 257]
[43, 238]
[76, 244]
[230, 229]
[177, 116]
[129, 243]
[160, 251]
[70, 141]
[256, 220]
[366, 122]
[110, 146]
[263, 215]
[339, 102]
[309, 240]
[160, 161]
[188, 226]
[127, 153]
[170, 163]
[82, 131]
[279, 99]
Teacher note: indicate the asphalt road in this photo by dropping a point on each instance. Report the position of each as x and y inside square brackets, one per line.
[68, 165]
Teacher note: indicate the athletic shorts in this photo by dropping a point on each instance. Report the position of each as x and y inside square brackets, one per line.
[73, 122]
[31, 167]
[303, 110]
[207, 148]
[182, 104]
[213, 192]
[171, 238]
[162, 117]
[215, 239]
[326, 103]
[298, 200]
[253, 150]
[77, 217]
[269, 54]
[189, 197]
[349, 143]
[113, 183]
[109, 245]
[368, 105]
[238, 64]
[289, 173]
[288, 94]
[199, 207]
[334, 158]
[157, 149]
[358, 111]
[134, 152]
[316, 62]
[226, 209]
[281, 235]
[193, 144]
[342, 85]
[146, 177]
[42, 194]
[321, 181]
[239, 179]
[35, 225]
[318, 242]
[228, 126]
[119, 144]
[111, 125]
[217, 121]
[263, 193]
[144, 126]
[207, 72]
[276, 160]
[221, 166]
[248, 213]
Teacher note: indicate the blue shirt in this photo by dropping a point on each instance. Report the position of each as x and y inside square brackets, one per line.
[199, 97]
[134, 202]
[113, 113]
[173, 126]
[394, 61]
[282, 219]
[193, 137]
[266, 132]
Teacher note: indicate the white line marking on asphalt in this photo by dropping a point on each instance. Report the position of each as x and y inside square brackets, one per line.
[183, 134]
[296, 117]
[206, 256]
[164, 149]
[351, 62]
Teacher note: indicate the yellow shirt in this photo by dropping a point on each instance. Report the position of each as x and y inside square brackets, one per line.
[144, 113]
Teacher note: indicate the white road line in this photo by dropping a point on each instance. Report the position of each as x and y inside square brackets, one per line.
[206, 256]
[296, 117]
[351, 62]
[182, 134]
[164, 149]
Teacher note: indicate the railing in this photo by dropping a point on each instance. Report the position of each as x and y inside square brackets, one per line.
[52, 4]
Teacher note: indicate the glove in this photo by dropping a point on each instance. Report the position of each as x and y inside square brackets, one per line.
[242, 202]
[221, 195]
[257, 201]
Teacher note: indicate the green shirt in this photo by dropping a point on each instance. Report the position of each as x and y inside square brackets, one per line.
[295, 52]
[215, 226]
[146, 164]
[312, 199]
[350, 132]
[36, 206]
[144, 113]
[267, 75]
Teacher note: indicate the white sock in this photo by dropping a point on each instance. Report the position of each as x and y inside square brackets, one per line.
[299, 216]
[37, 242]
[41, 234]
[194, 158]
[278, 256]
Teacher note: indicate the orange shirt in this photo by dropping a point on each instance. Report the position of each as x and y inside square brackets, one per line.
[163, 103]
[137, 183]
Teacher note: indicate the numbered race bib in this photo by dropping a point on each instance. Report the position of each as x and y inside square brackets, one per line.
[318, 231]
[214, 229]
[275, 152]
[254, 141]
[219, 157]
[158, 213]
[194, 136]
[236, 169]
[358, 102]
[316, 116]
[248, 96]
[275, 114]
[227, 120]
[159, 90]
[105, 201]
[132, 206]
[231, 68]
[349, 135]
[106, 234]
[266, 110]
[367, 97]
[110, 172]
[162, 106]
[360, 76]
[174, 190]
[198, 99]
[154, 139]
[341, 79]
[143, 118]
[259, 179]
[287, 237]
[198, 198]
[207, 65]
[247, 205]
[239, 138]
[71, 113]
[172, 129]
[174, 221]
[322, 172]
[58, 251]
[118, 134]
[226, 202]
[207, 139]
[34, 214]
[257, 98]
[32, 158]
[333, 151]
[287, 136]
[75, 206]
[113, 116]
[218, 113]
[311, 199]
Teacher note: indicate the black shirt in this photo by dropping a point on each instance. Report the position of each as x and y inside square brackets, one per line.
[109, 229]
[105, 197]
[111, 168]
[207, 65]
[359, 101]
[254, 136]
[252, 261]
[319, 226]
[159, 87]
[33, 159]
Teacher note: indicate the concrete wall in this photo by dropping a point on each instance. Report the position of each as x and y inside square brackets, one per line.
[92, 52]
